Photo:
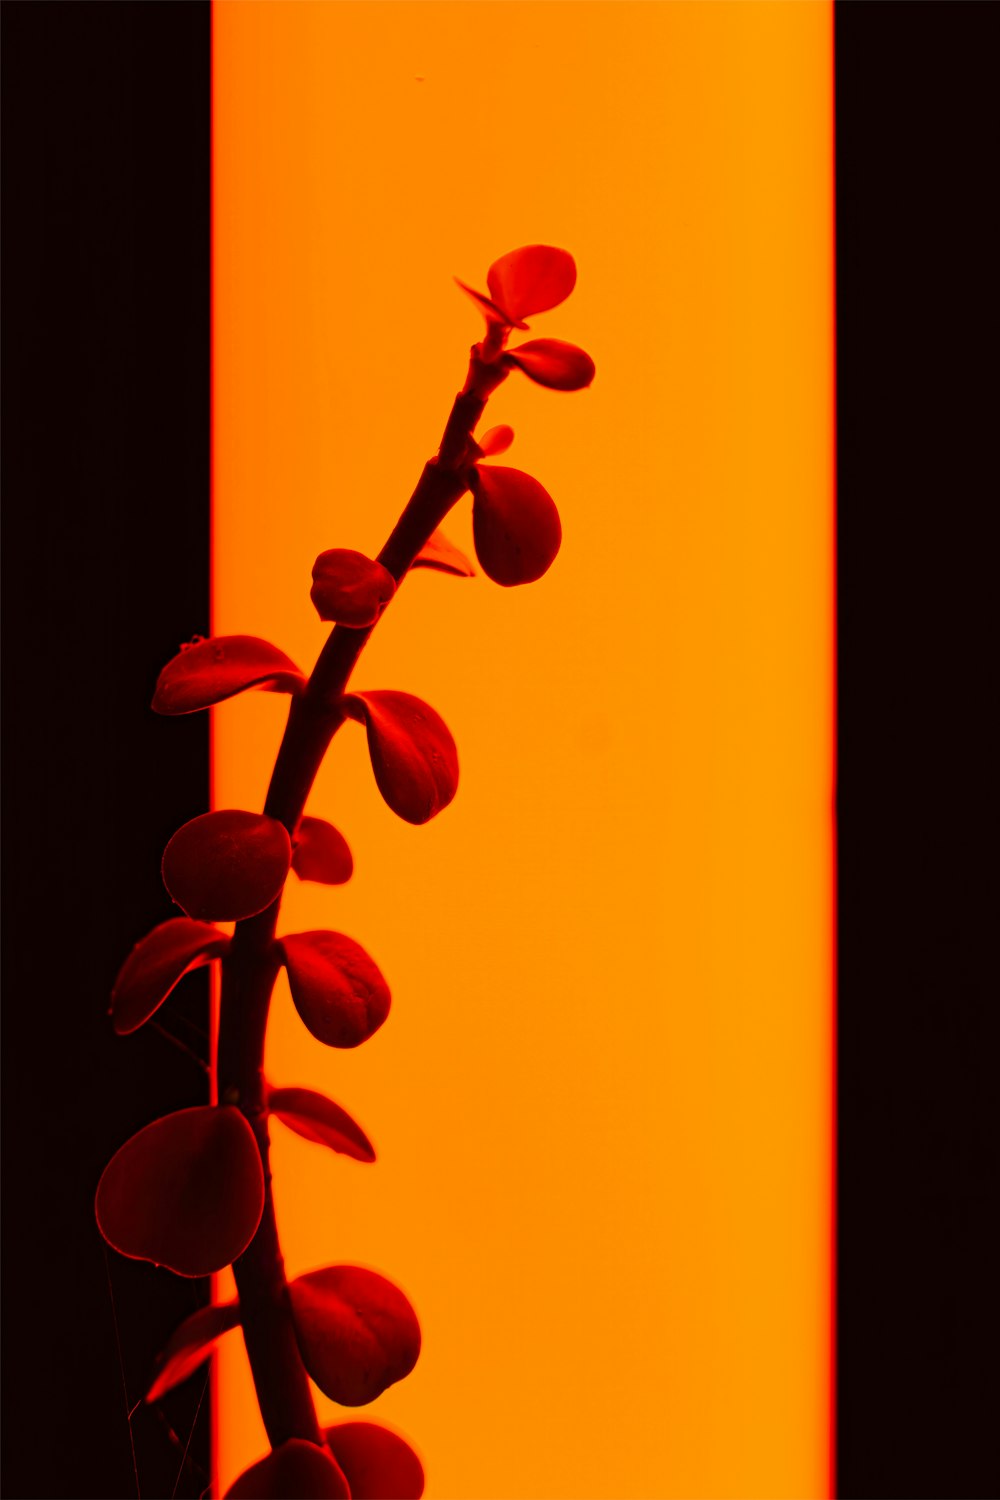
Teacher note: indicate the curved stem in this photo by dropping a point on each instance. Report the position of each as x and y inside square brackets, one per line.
[251, 965]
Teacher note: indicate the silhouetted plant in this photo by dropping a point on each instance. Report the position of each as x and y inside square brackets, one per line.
[192, 1191]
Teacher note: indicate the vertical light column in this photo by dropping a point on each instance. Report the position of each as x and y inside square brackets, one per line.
[602, 1101]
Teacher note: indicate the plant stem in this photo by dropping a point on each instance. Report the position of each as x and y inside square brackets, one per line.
[251, 965]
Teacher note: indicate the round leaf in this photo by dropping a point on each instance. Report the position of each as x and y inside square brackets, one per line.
[349, 588]
[294, 1471]
[318, 1119]
[515, 525]
[444, 556]
[320, 852]
[413, 754]
[336, 988]
[550, 362]
[213, 670]
[357, 1333]
[156, 964]
[191, 1345]
[378, 1464]
[531, 280]
[187, 1192]
[227, 865]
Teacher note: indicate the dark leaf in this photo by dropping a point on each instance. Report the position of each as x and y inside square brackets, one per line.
[157, 962]
[377, 1463]
[220, 667]
[297, 1470]
[191, 1345]
[443, 555]
[349, 588]
[531, 280]
[320, 852]
[227, 865]
[318, 1119]
[187, 1192]
[357, 1333]
[550, 362]
[413, 754]
[515, 525]
[337, 989]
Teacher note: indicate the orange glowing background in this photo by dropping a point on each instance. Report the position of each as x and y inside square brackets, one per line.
[603, 1099]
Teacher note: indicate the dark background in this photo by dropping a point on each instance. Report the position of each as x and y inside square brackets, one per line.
[106, 487]
[106, 116]
[919, 1175]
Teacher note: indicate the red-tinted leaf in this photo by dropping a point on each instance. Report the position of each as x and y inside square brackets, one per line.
[515, 525]
[377, 1463]
[337, 989]
[157, 962]
[443, 555]
[220, 667]
[531, 280]
[349, 588]
[295, 1471]
[413, 754]
[191, 1345]
[497, 439]
[550, 362]
[187, 1192]
[493, 313]
[320, 852]
[228, 865]
[318, 1119]
[356, 1331]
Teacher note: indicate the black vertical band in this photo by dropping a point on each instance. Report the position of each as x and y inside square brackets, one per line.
[919, 1062]
[106, 171]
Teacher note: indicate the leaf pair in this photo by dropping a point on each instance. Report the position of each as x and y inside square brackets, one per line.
[351, 589]
[368, 1462]
[228, 865]
[356, 1331]
[186, 1192]
[336, 987]
[531, 280]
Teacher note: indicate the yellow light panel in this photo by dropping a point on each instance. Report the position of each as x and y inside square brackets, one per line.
[602, 1101]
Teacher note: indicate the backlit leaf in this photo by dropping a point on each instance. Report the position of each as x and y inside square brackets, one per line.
[318, 1119]
[294, 1471]
[320, 852]
[190, 1346]
[413, 754]
[227, 865]
[550, 362]
[377, 1463]
[337, 989]
[443, 555]
[186, 1192]
[357, 1333]
[515, 525]
[490, 310]
[531, 280]
[496, 440]
[157, 962]
[218, 668]
[349, 588]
